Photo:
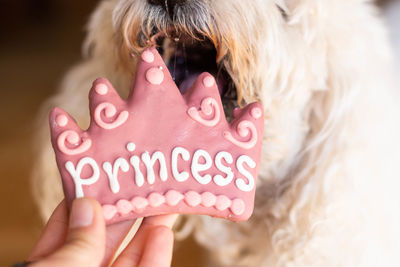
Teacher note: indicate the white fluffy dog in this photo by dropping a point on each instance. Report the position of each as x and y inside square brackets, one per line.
[328, 183]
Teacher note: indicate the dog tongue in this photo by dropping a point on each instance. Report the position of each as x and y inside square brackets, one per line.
[188, 82]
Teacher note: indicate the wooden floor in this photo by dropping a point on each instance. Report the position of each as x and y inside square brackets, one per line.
[37, 46]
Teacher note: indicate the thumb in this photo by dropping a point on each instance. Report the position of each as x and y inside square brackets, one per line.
[85, 243]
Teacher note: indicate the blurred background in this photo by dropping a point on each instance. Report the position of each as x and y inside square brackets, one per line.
[39, 41]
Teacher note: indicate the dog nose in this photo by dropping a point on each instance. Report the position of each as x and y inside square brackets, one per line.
[168, 5]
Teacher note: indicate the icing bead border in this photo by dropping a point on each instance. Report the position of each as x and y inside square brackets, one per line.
[173, 198]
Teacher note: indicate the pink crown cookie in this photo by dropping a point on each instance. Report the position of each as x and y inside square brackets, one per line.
[159, 151]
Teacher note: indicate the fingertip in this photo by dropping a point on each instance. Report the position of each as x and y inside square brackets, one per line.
[85, 212]
[82, 213]
[86, 223]
[161, 240]
[85, 244]
[85, 240]
[167, 220]
[161, 233]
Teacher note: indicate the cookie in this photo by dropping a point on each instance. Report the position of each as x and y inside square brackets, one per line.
[160, 152]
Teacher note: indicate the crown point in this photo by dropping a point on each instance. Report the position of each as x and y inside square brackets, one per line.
[155, 76]
[101, 89]
[208, 81]
[61, 120]
[148, 56]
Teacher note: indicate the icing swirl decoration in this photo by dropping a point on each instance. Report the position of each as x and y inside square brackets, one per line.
[244, 128]
[208, 106]
[73, 139]
[109, 111]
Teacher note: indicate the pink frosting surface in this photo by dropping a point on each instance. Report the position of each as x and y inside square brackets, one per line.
[159, 151]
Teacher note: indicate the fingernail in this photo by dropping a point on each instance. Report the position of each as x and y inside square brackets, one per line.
[81, 213]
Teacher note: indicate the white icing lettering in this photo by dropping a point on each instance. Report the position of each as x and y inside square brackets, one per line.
[240, 183]
[179, 176]
[200, 164]
[198, 167]
[139, 179]
[219, 179]
[76, 174]
[149, 163]
[112, 172]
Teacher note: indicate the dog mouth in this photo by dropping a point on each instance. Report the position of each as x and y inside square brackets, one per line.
[187, 56]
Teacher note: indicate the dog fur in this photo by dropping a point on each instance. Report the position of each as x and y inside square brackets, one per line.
[327, 189]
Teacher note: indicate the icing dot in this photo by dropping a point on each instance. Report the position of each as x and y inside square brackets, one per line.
[109, 211]
[156, 200]
[61, 120]
[148, 56]
[154, 76]
[124, 206]
[208, 199]
[139, 203]
[173, 197]
[208, 81]
[101, 89]
[131, 147]
[223, 202]
[256, 113]
[238, 206]
[192, 198]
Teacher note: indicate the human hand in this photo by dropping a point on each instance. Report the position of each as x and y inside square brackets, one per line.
[84, 240]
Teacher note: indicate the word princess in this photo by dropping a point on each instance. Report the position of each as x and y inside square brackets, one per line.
[160, 151]
[196, 167]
